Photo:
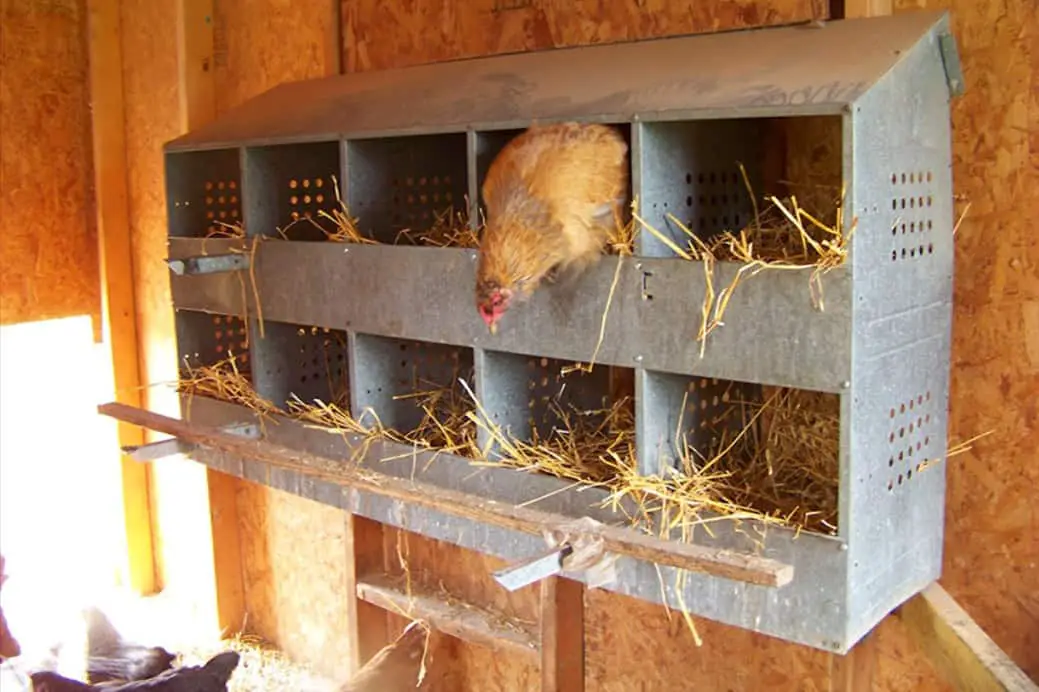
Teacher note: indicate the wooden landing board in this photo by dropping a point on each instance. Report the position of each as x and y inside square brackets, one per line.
[466, 622]
[616, 539]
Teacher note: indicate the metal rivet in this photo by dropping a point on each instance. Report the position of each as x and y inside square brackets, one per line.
[844, 547]
[638, 359]
[845, 384]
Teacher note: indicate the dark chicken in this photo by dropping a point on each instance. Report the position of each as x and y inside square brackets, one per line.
[552, 195]
[211, 677]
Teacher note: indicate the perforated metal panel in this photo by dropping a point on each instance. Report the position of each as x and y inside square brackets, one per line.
[690, 171]
[897, 418]
[677, 410]
[306, 362]
[384, 369]
[403, 183]
[204, 339]
[203, 188]
[288, 186]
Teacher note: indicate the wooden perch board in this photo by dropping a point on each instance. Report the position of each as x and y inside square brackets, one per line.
[468, 623]
[616, 539]
[959, 649]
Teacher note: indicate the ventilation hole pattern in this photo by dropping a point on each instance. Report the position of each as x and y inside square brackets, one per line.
[416, 198]
[912, 202]
[425, 366]
[709, 407]
[321, 358]
[205, 340]
[549, 391]
[713, 202]
[307, 196]
[911, 447]
[222, 204]
[229, 337]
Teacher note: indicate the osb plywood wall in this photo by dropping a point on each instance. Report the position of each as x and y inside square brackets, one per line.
[293, 551]
[47, 233]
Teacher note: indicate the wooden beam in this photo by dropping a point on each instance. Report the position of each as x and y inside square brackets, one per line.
[562, 635]
[118, 308]
[960, 650]
[469, 623]
[364, 555]
[867, 8]
[197, 93]
[621, 540]
[195, 63]
[854, 671]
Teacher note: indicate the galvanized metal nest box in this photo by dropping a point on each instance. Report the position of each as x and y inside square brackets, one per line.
[382, 319]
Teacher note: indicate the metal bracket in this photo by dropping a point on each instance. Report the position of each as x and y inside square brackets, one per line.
[159, 450]
[209, 264]
[951, 62]
[173, 446]
[526, 572]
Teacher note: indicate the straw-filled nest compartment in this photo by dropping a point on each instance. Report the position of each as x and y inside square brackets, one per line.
[397, 192]
[740, 449]
[749, 452]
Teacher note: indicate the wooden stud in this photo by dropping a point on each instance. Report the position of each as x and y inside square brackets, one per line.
[195, 63]
[562, 635]
[854, 671]
[364, 556]
[197, 91]
[960, 650]
[118, 309]
[867, 8]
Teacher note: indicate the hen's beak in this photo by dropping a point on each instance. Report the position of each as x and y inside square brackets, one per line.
[493, 326]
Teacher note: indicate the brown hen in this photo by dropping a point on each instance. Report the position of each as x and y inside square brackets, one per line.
[551, 196]
[395, 668]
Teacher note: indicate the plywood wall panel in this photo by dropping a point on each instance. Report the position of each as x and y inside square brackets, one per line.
[294, 571]
[48, 235]
[260, 45]
[378, 35]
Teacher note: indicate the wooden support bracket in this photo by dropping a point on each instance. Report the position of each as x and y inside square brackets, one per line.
[562, 635]
[364, 554]
[460, 620]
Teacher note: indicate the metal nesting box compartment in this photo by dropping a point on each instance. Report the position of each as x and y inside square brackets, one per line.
[690, 107]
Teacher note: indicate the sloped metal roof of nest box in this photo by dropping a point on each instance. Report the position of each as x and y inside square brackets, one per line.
[800, 69]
